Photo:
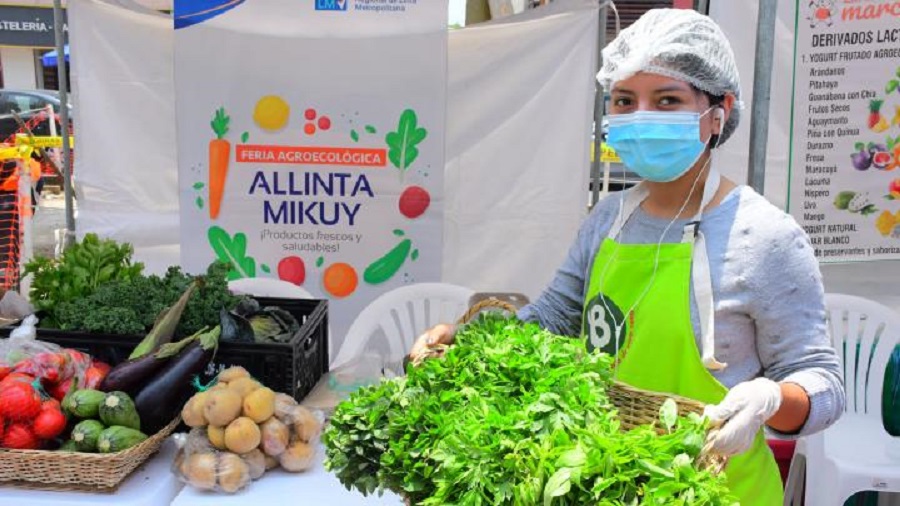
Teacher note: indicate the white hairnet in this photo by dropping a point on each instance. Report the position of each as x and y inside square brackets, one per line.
[679, 43]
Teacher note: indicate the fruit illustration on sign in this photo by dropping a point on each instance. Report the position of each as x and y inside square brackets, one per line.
[219, 153]
[414, 201]
[340, 279]
[292, 270]
[385, 267]
[894, 189]
[862, 159]
[877, 122]
[271, 113]
[881, 160]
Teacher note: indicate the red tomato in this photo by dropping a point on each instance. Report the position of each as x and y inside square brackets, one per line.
[93, 376]
[414, 201]
[292, 270]
[50, 403]
[59, 390]
[49, 423]
[17, 377]
[19, 401]
[77, 357]
[4, 371]
[50, 366]
[19, 437]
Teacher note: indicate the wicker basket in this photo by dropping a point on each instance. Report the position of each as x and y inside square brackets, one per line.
[92, 472]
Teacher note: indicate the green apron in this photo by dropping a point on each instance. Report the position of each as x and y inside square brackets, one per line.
[658, 351]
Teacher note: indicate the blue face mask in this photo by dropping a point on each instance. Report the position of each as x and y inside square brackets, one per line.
[658, 146]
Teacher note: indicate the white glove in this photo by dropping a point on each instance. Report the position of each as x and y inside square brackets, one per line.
[744, 410]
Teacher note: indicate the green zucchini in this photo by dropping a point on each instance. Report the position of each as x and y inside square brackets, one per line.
[84, 403]
[118, 438]
[118, 409]
[86, 434]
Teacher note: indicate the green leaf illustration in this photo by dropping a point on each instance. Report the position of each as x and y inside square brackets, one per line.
[320, 261]
[245, 137]
[371, 129]
[199, 202]
[402, 143]
[891, 86]
[232, 251]
[354, 135]
[415, 255]
[265, 268]
[199, 185]
[398, 232]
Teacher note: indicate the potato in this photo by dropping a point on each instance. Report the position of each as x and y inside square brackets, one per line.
[299, 457]
[192, 413]
[200, 470]
[216, 436]
[259, 405]
[179, 464]
[233, 373]
[242, 435]
[284, 404]
[222, 407]
[271, 462]
[275, 437]
[306, 426]
[234, 473]
[256, 461]
[244, 386]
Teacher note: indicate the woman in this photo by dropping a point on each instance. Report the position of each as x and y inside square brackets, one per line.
[697, 285]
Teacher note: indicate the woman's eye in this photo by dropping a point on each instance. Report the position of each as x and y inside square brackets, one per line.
[622, 102]
[669, 101]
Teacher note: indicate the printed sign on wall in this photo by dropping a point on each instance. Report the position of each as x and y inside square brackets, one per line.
[844, 182]
[311, 143]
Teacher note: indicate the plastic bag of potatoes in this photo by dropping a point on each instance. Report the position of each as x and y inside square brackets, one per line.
[241, 429]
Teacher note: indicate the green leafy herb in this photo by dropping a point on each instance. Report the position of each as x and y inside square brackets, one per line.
[514, 415]
[78, 273]
[402, 143]
[232, 251]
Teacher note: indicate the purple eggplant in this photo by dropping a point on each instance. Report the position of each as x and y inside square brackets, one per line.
[161, 400]
[130, 376]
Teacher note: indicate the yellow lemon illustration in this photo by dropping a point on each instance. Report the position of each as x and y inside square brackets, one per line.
[885, 223]
[271, 113]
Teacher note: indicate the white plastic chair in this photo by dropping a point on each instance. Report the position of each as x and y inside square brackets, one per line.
[268, 287]
[855, 454]
[400, 316]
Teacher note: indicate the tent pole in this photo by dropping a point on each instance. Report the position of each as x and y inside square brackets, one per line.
[64, 119]
[599, 104]
[762, 84]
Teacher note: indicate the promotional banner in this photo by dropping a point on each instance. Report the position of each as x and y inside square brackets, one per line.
[845, 151]
[311, 143]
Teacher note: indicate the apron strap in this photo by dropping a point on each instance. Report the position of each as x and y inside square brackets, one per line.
[701, 277]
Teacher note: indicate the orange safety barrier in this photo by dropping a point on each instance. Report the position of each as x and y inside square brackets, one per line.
[11, 212]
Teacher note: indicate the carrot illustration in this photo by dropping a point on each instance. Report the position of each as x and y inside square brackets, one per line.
[219, 153]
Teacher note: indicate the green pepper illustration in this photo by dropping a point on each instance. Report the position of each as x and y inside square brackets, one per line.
[385, 267]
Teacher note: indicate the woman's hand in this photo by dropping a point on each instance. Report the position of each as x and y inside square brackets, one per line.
[744, 410]
[441, 334]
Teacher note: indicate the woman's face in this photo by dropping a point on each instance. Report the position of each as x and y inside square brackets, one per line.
[653, 92]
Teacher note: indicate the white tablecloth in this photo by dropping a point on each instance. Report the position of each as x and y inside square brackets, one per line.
[152, 484]
[313, 487]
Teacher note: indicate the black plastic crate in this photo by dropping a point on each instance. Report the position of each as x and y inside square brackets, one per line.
[294, 367]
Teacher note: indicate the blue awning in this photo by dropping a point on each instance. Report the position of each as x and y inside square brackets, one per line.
[50, 59]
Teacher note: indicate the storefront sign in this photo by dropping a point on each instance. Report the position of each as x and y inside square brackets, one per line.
[845, 151]
[28, 26]
[311, 145]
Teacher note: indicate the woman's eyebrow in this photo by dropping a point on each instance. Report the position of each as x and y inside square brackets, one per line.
[622, 90]
[670, 88]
